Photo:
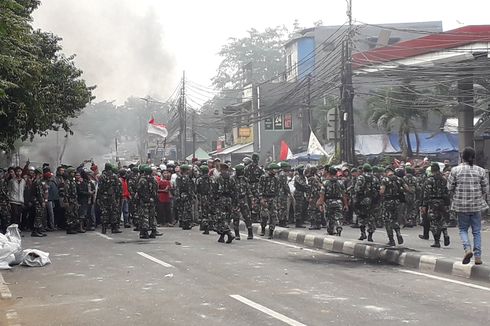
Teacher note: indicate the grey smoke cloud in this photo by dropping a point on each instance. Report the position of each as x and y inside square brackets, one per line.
[120, 46]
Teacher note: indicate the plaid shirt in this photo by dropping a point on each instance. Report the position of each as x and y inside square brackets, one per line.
[469, 185]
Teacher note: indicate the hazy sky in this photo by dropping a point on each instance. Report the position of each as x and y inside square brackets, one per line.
[139, 47]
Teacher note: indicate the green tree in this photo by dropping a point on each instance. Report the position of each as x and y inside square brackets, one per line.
[397, 108]
[40, 88]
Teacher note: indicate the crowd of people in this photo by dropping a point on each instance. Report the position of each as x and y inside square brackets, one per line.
[216, 196]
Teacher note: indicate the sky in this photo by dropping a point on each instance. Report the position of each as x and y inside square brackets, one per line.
[140, 47]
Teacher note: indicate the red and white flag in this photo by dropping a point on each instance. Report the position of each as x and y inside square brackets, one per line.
[157, 129]
[286, 153]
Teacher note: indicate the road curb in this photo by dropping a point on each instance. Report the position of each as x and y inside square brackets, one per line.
[403, 256]
[4, 289]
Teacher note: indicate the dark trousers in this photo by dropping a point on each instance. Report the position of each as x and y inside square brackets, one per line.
[15, 213]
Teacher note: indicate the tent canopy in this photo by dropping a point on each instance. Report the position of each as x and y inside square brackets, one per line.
[200, 154]
[430, 143]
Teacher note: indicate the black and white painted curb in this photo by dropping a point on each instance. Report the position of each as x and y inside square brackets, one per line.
[402, 256]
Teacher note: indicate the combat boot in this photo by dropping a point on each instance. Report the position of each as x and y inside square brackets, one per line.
[237, 234]
[437, 244]
[230, 237]
[221, 238]
[158, 234]
[153, 234]
[104, 229]
[370, 237]
[81, 229]
[339, 231]
[399, 237]
[447, 241]
[70, 230]
[115, 229]
[206, 230]
[262, 230]
[36, 233]
[144, 234]
[391, 241]
[271, 233]
[250, 234]
[363, 233]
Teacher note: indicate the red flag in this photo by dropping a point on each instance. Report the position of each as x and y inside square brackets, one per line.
[286, 153]
[157, 129]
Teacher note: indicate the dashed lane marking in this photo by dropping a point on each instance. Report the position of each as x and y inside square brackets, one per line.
[470, 285]
[4, 289]
[267, 311]
[155, 260]
[294, 246]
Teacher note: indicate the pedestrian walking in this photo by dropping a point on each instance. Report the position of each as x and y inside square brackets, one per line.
[469, 185]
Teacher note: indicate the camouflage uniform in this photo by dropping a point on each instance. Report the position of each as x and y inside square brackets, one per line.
[436, 200]
[333, 191]
[300, 189]
[242, 197]
[224, 191]
[313, 194]
[284, 193]
[133, 187]
[366, 197]
[147, 198]
[108, 194]
[40, 191]
[184, 191]
[269, 189]
[349, 184]
[253, 172]
[412, 205]
[71, 204]
[204, 190]
[4, 205]
[390, 203]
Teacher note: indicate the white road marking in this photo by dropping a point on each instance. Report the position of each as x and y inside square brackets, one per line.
[153, 259]
[4, 289]
[470, 285]
[296, 247]
[267, 311]
[102, 235]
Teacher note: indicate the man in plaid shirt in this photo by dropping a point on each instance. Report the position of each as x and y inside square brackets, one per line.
[469, 185]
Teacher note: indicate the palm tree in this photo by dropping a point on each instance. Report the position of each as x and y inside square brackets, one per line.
[396, 108]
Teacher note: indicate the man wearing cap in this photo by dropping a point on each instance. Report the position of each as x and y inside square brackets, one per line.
[253, 172]
[242, 197]
[268, 190]
[225, 193]
[390, 191]
[366, 196]
[108, 195]
[435, 201]
[284, 194]
[205, 199]
[301, 187]
[185, 193]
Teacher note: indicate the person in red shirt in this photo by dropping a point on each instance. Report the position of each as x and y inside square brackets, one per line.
[125, 197]
[164, 201]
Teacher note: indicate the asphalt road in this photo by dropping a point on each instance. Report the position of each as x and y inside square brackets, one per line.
[185, 278]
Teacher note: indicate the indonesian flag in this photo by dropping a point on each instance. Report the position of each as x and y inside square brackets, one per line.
[286, 153]
[157, 129]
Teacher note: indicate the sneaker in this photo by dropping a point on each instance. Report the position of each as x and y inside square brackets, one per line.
[467, 257]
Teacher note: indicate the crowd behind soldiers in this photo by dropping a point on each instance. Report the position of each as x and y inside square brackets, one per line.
[217, 196]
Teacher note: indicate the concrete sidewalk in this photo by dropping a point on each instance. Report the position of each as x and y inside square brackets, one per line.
[414, 253]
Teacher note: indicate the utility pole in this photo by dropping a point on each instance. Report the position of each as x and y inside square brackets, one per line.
[307, 117]
[193, 134]
[182, 118]
[347, 95]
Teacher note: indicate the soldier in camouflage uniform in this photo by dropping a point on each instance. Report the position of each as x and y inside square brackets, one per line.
[224, 191]
[412, 206]
[378, 217]
[108, 194]
[391, 192]
[242, 197]
[132, 187]
[313, 194]
[435, 201]
[284, 194]
[366, 197]
[205, 198]
[184, 191]
[269, 190]
[40, 200]
[70, 201]
[332, 200]
[301, 187]
[253, 172]
[147, 199]
[4, 203]
[424, 218]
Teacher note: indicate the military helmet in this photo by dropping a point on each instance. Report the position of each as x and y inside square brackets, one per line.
[300, 167]
[147, 169]
[184, 167]
[434, 167]
[239, 167]
[285, 165]
[70, 169]
[389, 168]
[142, 167]
[255, 157]
[274, 166]
[367, 167]
[409, 170]
[332, 170]
[399, 172]
[204, 168]
[107, 166]
[135, 169]
[353, 170]
[38, 171]
[247, 160]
